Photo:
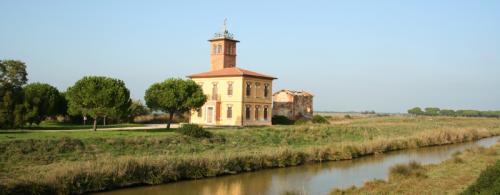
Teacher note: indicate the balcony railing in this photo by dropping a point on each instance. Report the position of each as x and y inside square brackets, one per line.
[214, 97]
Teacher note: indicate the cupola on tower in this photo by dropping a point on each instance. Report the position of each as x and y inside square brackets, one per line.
[223, 50]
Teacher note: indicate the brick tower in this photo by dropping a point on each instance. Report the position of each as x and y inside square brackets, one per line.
[223, 50]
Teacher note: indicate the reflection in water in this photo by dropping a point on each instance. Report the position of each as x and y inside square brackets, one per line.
[317, 178]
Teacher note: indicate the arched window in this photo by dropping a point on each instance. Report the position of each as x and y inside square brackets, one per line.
[257, 108]
[214, 49]
[266, 90]
[230, 50]
[247, 112]
[265, 112]
[249, 89]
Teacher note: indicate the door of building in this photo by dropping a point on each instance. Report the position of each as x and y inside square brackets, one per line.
[210, 114]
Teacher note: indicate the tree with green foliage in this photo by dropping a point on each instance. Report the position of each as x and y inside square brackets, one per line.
[468, 113]
[13, 76]
[174, 96]
[491, 114]
[137, 108]
[432, 111]
[13, 72]
[40, 101]
[98, 96]
[447, 112]
[416, 111]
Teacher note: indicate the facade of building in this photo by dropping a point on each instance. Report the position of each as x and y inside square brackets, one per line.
[235, 96]
[293, 104]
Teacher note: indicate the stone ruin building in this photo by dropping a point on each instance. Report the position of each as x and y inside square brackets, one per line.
[293, 104]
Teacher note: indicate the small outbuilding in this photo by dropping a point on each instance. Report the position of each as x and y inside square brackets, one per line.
[293, 104]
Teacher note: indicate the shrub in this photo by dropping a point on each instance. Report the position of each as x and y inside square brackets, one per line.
[301, 121]
[281, 120]
[194, 130]
[488, 181]
[407, 170]
[319, 119]
[348, 116]
[458, 159]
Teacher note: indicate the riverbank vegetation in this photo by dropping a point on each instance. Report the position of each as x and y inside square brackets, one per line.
[412, 169]
[449, 177]
[78, 162]
[487, 183]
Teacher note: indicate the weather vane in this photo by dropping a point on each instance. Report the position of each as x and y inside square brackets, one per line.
[224, 32]
[224, 27]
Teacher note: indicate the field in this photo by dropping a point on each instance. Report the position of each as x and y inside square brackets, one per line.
[450, 177]
[84, 161]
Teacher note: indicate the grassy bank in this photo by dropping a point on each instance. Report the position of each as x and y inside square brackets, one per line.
[95, 161]
[450, 177]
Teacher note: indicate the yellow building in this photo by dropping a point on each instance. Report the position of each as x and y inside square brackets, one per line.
[235, 96]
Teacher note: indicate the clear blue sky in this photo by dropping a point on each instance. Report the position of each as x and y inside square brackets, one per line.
[385, 56]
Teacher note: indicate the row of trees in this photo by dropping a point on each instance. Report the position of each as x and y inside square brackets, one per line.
[20, 103]
[433, 111]
[92, 96]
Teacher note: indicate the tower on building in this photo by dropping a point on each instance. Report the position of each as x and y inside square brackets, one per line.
[223, 50]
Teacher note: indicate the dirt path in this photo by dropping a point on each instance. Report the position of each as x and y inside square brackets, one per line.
[148, 126]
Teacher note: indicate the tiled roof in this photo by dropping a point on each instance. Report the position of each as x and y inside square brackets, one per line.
[226, 72]
[300, 93]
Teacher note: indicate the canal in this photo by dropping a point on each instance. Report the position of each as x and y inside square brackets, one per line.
[314, 178]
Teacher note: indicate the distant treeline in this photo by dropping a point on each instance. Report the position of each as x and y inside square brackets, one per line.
[432, 111]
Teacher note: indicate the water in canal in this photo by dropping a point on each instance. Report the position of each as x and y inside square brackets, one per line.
[314, 178]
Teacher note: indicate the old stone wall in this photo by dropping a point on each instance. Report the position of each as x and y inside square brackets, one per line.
[292, 104]
[302, 107]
